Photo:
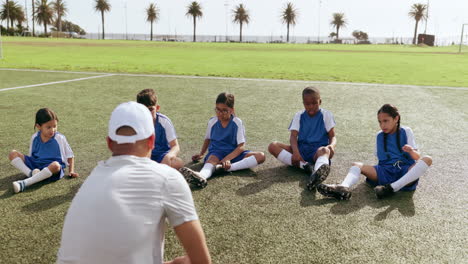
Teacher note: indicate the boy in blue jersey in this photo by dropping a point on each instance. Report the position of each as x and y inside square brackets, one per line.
[225, 142]
[49, 153]
[400, 163]
[312, 139]
[166, 146]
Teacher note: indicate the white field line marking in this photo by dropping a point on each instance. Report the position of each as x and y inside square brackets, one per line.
[248, 79]
[57, 82]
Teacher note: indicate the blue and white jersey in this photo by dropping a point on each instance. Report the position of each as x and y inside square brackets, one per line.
[225, 138]
[313, 130]
[165, 133]
[393, 153]
[55, 149]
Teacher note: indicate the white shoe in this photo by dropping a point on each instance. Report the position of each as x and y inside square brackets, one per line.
[18, 186]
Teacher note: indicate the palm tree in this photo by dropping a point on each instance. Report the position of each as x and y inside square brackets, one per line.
[61, 10]
[11, 12]
[102, 6]
[337, 22]
[289, 16]
[418, 12]
[33, 17]
[152, 14]
[44, 13]
[194, 10]
[241, 16]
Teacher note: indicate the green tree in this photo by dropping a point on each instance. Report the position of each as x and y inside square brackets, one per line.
[152, 15]
[241, 16]
[44, 14]
[11, 12]
[102, 6]
[288, 17]
[418, 12]
[338, 22]
[194, 10]
[60, 10]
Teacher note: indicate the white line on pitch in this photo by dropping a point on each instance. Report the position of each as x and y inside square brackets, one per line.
[57, 82]
[251, 79]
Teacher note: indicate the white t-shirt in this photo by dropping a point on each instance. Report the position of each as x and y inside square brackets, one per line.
[119, 213]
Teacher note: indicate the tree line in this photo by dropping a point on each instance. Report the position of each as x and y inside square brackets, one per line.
[47, 13]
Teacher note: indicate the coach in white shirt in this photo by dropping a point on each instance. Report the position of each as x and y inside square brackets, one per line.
[119, 214]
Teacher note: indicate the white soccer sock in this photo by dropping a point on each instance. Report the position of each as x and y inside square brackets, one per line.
[207, 170]
[246, 163]
[417, 171]
[320, 161]
[285, 157]
[352, 178]
[302, 163]
[19, 164]
[42, 175]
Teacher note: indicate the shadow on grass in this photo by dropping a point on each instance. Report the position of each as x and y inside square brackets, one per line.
[6, 184]
[363, 195]
[267, 178]
[50, 202]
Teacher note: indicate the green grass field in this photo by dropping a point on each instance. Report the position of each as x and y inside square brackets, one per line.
[437, 66]
[255, 216]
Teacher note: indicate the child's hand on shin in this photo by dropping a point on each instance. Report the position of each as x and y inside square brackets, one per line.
[295, 159]
[226, 164]
[408, 148]
[196, 157]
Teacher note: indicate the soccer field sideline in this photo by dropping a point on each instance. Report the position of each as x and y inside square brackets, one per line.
[104, 74]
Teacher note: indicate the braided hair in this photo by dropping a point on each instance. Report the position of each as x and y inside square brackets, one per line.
[392, 111]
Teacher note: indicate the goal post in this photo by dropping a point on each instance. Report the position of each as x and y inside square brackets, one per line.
[462, 37]
[1, 45]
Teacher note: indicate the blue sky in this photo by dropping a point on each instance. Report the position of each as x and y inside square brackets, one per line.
[379, 18]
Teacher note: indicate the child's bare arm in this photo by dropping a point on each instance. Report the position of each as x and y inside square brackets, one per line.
[226, 162]
[414, 153]
[296, 155]
[197, 157]
[332, 139]
[71, 168]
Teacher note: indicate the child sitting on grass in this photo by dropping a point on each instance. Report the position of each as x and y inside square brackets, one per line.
[400, 164]
[49, 153]
[225, 142]
[312, 139]
[166, 146]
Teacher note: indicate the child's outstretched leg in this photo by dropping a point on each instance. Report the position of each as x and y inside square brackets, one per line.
[283, 153]
[342, 191]
[200, 178]
[17, 160]
[321, 168]
[251, 160]
[412, 175]
[54, 167]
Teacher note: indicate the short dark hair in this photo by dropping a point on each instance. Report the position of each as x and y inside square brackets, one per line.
[226, 98]
[45, 115]
[311, 90]
[147, 97]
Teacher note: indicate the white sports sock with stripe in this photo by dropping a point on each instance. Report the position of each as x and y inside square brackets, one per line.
[42, 175]
[352, 178]
[19, 164]
[286, 157]
[417, 171]
[207, 170]
[246, 163]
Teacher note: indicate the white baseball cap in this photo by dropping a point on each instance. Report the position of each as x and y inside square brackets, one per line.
[134, 115]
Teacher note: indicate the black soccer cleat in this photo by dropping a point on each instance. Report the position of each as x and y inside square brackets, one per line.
[318, 176]
[335, 191]
[383, 191]
[308, 168]
[193, 177]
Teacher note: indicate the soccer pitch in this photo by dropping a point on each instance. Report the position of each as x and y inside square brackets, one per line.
[254, 216]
